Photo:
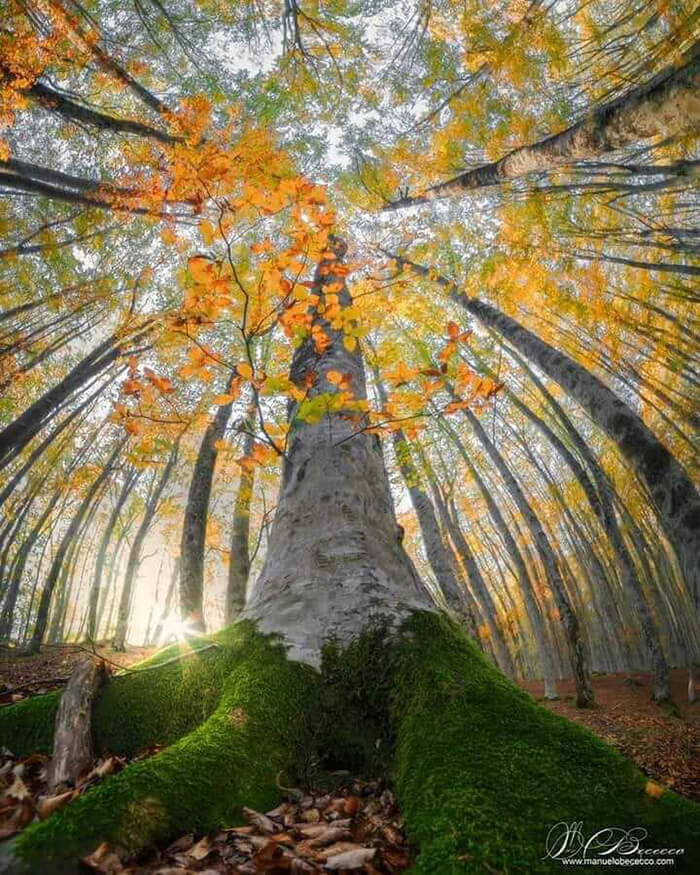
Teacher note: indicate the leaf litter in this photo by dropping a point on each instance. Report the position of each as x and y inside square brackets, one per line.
[350, 830]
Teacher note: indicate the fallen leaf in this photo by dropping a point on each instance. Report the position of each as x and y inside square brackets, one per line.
[103, 860]
[260, 821]
[46, 805]
[201, 850]
[351, 859]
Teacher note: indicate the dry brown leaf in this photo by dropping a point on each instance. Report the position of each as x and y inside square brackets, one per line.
[351, 859]
[104, 861]
[260, 821]
[329, 835]
[22, 815]
[180, 844]
[19, 789]
[201, 850]
[352, 803]
[338, 848]
[46, 805]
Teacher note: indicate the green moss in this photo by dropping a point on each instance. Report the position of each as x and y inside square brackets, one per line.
[162, 704]
[28, 726]
[351, 729]
[482, 771]
[136, 710]
[199, 782]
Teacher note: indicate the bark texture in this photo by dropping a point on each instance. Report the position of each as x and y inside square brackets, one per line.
[72, 744]
[673, 493]
[239, 563]
[334, 562]
[667, 105]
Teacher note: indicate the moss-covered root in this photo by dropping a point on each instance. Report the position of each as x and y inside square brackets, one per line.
[158, 705]
[238, 750]
[482, 771]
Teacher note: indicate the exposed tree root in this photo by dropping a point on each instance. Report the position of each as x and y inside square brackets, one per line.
[482, 772]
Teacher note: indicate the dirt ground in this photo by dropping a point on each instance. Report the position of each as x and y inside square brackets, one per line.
[664, 741]
[22, 676]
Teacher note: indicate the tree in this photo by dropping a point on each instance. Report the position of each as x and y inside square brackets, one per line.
[174, 181]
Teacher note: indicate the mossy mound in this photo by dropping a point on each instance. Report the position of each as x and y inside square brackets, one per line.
[199, 782]
[482, 771]
[137, 709]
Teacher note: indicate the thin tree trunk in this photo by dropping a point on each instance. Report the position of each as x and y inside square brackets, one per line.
[575, 642]
[666, 105]
[66, 541]
[601, 506]
[675, 498]
[15, 436]
[93, 599]
[194, 525]
[478, 585]
[149, 513]
[543, 639]
[440, 557]
[71, 109]
[168, 602]
[239, 562]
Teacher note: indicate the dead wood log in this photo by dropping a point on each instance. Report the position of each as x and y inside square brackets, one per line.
[72, 743]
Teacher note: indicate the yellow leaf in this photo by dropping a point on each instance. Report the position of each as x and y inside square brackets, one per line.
[654, 790]
[206, 229]
[223, 399]
[245, 371]
[349, 342]
[334, 377]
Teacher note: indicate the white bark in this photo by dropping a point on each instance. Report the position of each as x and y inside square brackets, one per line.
[335, 563]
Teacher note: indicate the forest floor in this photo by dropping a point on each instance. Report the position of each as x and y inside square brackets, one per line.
[22, 676]
[664, 741]
[357, 824]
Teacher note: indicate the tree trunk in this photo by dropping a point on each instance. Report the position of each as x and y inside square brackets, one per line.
[239, 562]
[335, 561]
[194, 526]
[15, 436]
[675, 498]
[440, 558]
[666, 105]
[66, 541]
[602, 507]
[543, 640]
[168, 602]
[72, 745]
[242, 717]
[93, 599]
[478, 585]
[575, 642]
[132, 566]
